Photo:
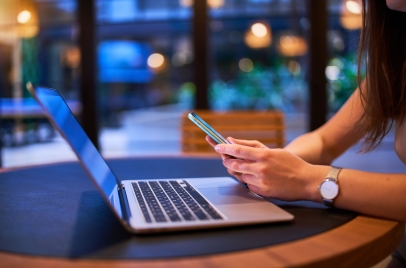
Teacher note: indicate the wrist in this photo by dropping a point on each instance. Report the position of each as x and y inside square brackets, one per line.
[316, 176]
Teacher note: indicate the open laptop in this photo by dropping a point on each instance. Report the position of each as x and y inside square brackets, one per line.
[146, 206]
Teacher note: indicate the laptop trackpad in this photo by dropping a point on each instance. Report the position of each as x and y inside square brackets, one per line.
[238, 204]
[230, 195]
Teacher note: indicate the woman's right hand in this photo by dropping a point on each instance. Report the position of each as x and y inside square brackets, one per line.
[250, 143]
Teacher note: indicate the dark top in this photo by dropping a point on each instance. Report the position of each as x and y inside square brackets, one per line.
[54, 210]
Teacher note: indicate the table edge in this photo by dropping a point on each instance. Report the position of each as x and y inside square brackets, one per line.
[339, 247]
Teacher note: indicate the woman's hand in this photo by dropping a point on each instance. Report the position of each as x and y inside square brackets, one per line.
[254, 144]
[274, 173]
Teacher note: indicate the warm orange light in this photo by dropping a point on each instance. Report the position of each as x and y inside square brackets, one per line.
[259, 36]
[24, 16]
[215, 3]
[27, 19]
[156, 60]
[291, 45]
[211, 3]
[72, 57]
[19, 20]
[351, 15]
[353, 7]
[259, 29]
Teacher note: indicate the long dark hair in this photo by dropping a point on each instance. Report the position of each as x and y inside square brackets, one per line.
[382, 52]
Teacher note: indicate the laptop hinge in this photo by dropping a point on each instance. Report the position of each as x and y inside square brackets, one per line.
[125, 208]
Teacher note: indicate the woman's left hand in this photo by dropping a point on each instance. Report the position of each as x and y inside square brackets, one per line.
[274, 173]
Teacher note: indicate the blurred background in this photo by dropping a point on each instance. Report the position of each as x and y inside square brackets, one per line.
[144, 71]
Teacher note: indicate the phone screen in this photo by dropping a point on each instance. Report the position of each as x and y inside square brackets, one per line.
[207, 128]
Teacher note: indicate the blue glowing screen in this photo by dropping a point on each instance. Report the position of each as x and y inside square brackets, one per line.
[124, 61]
[65, 122]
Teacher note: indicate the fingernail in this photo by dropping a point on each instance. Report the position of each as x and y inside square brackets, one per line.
[217, 148]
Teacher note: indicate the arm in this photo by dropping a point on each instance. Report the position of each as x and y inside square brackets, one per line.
[280, 174]
[294, 173]
[329, 141]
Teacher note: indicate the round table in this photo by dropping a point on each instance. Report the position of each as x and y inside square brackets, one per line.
[362, 241]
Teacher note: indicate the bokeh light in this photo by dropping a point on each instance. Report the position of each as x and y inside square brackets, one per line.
[332, 72]
[182, 58]
[353, 7]
[294, 67]
[259, 29]
[155, 60]
[246, 65]
[258, 35]
[215, 3]
[291, 45]
[211, 3]
[24, 16]
[351, 15]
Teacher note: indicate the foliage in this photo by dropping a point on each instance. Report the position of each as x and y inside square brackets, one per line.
[30, 63]
[280, 87]
[187, 95]
[342, 84]
[276, 88]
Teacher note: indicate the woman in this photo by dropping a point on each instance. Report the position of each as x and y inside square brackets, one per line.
[297, 171]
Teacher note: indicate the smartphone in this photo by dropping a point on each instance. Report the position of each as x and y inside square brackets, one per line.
[207, 128]
[214, 135]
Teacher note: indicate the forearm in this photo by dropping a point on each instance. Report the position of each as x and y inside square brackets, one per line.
[280, 174]
[342, 131]
[375, 194]
[310, 148]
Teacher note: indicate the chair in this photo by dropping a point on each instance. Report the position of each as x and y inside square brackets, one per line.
[265, 126]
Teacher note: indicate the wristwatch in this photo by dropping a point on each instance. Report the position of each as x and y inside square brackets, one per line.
[329, 187]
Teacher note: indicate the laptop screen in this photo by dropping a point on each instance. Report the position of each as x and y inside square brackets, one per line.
[72, 131]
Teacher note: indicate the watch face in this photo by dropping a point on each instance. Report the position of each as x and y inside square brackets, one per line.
[328, 189]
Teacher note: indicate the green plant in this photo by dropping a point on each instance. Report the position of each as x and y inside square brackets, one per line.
[272, 88]
[342, 80]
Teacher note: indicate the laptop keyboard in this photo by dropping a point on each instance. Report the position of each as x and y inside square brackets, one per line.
[172, 201]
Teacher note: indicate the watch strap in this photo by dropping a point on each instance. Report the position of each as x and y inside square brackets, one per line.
[332, 176]
[328, 202]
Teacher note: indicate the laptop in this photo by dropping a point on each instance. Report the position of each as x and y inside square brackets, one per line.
[148, 206]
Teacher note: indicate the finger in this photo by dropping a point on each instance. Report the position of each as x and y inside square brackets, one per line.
[251, 182]
[248, 178]
[214, 143]
[238, 151]
[237, 175]
[240, 166]
[226, 156]
[250, 143]
[258, 191]
[211, 141]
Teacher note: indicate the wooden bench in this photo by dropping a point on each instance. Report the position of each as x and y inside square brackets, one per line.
[267, 127]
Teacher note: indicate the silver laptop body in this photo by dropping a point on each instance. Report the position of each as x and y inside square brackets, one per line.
[146, 206]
